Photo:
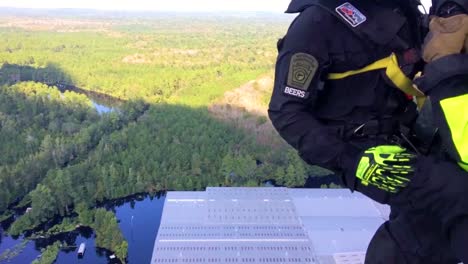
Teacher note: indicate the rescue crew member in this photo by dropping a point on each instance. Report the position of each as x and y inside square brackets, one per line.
[446, 77]
[341, 98]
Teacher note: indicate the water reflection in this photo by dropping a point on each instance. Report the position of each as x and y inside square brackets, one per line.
[27, 254]
[103, 103]
[102, 109]
[139, 219]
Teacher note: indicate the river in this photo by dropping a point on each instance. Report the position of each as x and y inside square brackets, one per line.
[103, 103]
[139, 220]
[102, 109]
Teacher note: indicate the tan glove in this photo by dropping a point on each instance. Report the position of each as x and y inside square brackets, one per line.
[466, 46]
[447, 36]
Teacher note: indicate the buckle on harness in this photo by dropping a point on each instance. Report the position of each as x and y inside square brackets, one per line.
[395, 139]
[389, 130]
[368, 129]
[359, 130]
[402, 139]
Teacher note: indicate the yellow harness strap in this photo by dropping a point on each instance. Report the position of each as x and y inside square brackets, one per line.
[392, 71]
[378, 65]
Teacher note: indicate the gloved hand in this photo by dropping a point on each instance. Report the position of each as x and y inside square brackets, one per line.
[447, 36]
[463, 165]
[465, 50]
[388, 168]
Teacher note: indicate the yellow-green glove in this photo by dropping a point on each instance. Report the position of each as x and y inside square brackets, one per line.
[388, 168]
[463, 165]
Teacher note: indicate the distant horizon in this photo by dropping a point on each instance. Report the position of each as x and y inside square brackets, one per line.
[71, 9]
[271, 6]
[182, 6]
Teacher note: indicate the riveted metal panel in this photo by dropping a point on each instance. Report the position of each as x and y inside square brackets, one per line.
[262, 225]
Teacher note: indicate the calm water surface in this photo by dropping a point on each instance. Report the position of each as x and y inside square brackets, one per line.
[102, 109]
[139, 222]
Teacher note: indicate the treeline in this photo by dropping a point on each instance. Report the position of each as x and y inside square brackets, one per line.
[133, 150]
[37, 125]
[169, 148]
[153, 59]
[103, 222]
[30, 112]
[43, 129]
[61, 157]
[49, 254]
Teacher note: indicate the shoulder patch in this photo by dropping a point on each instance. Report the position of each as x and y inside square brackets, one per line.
[302, 71]
[351, 14]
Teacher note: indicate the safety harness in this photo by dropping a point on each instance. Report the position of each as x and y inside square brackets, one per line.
[393, 73]
[379, 25]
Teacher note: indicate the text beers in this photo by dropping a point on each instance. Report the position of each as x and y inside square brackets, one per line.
[296, 92]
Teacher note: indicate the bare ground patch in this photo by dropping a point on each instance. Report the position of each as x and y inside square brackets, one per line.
[63, 25]
[136, 59]
[245, 108]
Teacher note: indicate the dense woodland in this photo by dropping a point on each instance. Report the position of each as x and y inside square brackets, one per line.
[191, 61]
[62, 158]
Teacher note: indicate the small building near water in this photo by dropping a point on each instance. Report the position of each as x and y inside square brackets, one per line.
[81, 250]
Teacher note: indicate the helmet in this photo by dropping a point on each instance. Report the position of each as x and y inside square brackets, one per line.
[438, 4]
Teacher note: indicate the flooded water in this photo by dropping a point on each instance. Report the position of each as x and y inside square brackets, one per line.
[139, 222]
[27, 255]
[102, 109]
[103, 103]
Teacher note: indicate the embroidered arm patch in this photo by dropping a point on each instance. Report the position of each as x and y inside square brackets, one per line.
[302, 71]
[351, 14]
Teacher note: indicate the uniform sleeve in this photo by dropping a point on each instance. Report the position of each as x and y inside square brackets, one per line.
[302, 59]
[445, 81]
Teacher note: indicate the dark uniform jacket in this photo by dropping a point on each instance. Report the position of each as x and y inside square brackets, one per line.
[311, 116]
[445, 81]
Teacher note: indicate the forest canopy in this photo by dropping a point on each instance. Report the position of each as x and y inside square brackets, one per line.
[62, 157]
